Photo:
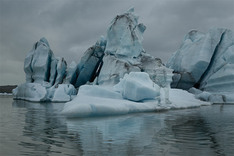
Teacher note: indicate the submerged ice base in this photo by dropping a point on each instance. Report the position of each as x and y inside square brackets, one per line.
[94, 104]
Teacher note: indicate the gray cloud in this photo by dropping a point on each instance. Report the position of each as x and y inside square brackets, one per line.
[73, 26]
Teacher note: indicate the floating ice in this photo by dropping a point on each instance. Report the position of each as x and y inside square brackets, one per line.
[30, 91]
[92, 102]
[64, 93]
[136, 92]
[44, 74]
[137, 86]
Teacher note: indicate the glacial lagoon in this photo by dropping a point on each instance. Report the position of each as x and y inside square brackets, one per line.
[28, 128]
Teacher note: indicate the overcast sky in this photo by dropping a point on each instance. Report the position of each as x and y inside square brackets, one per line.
[72, 26]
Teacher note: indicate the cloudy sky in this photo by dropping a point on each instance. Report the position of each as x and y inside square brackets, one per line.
[72, 26]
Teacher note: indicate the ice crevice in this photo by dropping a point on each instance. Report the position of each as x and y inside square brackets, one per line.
[205, 74]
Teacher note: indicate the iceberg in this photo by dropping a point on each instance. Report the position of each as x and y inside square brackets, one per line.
[114, 76]
[205, 61]
[44, 76]
[44, 70]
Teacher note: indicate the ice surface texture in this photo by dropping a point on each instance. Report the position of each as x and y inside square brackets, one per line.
[91, 61]
[206, 61]
[137, 86]
[30, 91]
[37, 62]
[124, 52]
[136, 92]
[124, 36]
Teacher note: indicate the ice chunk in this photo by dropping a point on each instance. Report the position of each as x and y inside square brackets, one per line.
[194, 91]
[137, 86]
[30, 91]
[124, 36]
[64, 93]
[203, 96]
[88, 67]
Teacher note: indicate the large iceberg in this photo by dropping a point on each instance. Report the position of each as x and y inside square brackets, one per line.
[205, 61]
[114, 76]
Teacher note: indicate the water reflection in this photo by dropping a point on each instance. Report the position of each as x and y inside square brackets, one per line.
[201, 131]
[122, 135]
[45, 131]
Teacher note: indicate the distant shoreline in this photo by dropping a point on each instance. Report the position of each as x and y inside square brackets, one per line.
[7, 88]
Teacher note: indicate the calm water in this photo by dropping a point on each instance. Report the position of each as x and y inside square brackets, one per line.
[33, 129]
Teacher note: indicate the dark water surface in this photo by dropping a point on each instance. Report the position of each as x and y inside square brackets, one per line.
[33, 129]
